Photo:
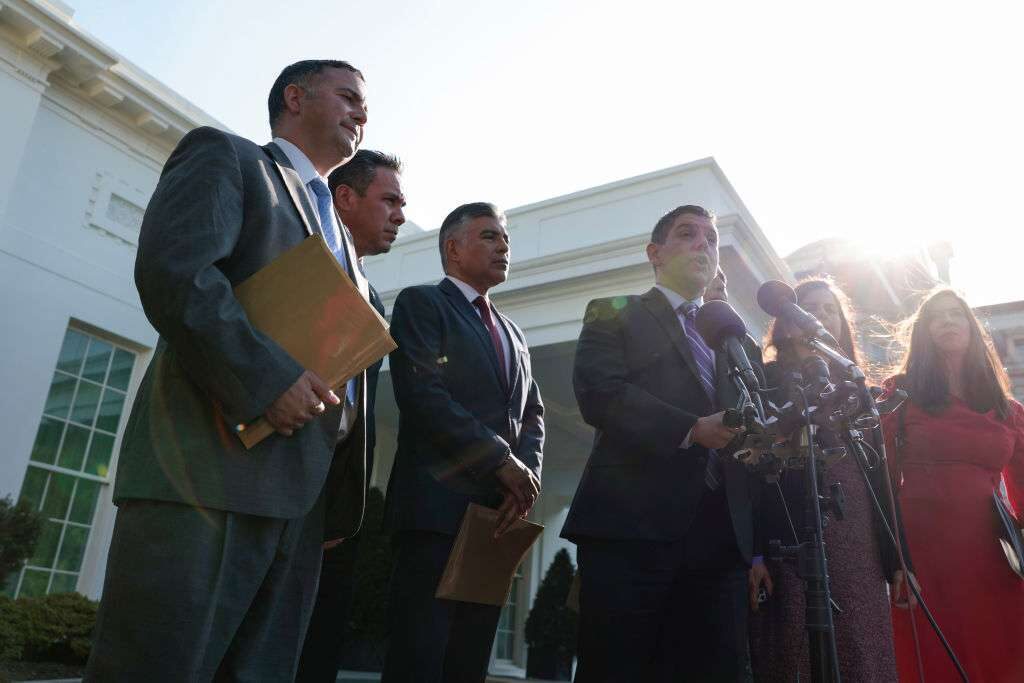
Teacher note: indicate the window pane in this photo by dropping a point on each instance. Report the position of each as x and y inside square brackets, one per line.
[72, 452]
[34, 583]
[84, 504]
[58, 495]
[86, 401]
[97, 361]
[33, 486]
[99, 454]
[47, 441]
[64, 583]
[121, 369]
[10, 583]
[46, 548]
[72, 352]
[73, 548]
[61, 391]
[110, 410]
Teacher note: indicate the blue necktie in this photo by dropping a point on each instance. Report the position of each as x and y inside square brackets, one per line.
[335, 242]
[706, 370]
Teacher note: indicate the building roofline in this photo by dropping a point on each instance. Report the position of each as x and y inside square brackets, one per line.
[46, 31]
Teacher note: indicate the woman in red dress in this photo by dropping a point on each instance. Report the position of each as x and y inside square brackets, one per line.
[959, 435]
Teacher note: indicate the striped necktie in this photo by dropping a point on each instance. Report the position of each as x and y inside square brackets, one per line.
[706, 370]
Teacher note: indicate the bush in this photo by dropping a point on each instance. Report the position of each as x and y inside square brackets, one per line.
[12, 630]
[551, 626]
[20, 526]
[51, 628]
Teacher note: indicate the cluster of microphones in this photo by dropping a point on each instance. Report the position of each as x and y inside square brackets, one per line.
[810, 409]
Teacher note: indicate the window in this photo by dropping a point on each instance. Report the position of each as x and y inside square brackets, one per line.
[70, 458]
[505, 638]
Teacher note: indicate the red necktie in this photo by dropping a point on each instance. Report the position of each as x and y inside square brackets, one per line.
[485, 315]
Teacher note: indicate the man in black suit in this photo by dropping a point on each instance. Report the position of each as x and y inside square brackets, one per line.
[470, 429]
[662, 521]
[213, 565]
[368, 195]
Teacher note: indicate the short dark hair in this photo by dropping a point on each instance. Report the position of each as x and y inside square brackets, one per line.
[664, 224]
[459, 217]
[300, 73]
[359, 171]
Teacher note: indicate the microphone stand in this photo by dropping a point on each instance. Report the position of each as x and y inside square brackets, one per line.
[812, 567]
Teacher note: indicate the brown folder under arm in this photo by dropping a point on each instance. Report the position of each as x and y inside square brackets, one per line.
[306, 302]
[480, 567]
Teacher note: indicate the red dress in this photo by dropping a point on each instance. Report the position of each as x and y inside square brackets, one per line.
[950, 464]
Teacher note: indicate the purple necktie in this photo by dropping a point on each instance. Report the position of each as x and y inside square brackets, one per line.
[706, 370]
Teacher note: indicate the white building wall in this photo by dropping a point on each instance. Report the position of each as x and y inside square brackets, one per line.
[85, 135]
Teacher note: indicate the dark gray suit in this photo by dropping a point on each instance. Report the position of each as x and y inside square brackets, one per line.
[662, 558]
[456, 426]
[216, 548]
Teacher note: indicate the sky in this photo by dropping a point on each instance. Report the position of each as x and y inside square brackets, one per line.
[891, 123]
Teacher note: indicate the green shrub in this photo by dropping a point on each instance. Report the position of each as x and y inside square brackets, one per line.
[551, 627]
[20, 526]
[12, 630]
[50, 628]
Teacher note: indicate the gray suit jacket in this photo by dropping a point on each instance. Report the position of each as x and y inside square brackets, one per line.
[224, 208]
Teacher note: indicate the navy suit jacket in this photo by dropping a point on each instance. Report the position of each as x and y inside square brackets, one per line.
[457, 421]
[636, 383]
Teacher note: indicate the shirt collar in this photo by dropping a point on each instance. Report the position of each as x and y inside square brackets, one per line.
[467, 290]
[675, 299]
[299, 161]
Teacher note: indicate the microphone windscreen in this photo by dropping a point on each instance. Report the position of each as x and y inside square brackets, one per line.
[772, 295]
[717, 320]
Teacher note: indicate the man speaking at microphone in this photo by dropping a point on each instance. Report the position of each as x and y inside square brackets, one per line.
[663, 524]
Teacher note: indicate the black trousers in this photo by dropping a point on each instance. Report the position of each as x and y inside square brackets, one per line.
[432, 640]
[325, 637]
[665, 611]
[195, 594]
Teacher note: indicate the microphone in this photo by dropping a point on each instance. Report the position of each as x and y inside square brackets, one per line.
[723, 329]
[778, 300]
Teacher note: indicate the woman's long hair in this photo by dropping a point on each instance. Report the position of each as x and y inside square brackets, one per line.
[922, 372]
[779, 346]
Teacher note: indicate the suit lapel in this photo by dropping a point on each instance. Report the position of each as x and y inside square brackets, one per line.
[292, 182]
[515, 351]
[659, 307]
[466, 310]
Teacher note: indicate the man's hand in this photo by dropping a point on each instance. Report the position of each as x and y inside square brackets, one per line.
[900, 593]
[710, 432]
[300, 404]
[519, 482]
[508, 513]
[758, 575]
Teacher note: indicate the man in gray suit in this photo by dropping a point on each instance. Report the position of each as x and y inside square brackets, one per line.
[213, 566]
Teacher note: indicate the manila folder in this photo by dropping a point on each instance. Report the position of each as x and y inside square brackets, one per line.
[306, 302]
[480, 567]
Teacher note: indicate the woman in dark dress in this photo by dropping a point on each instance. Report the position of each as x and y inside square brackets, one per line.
[860, 557]
[961, 438]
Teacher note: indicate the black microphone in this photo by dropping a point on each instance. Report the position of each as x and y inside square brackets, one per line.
[723, 330]
[778, 300]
